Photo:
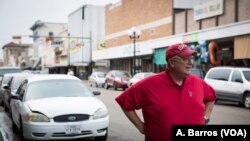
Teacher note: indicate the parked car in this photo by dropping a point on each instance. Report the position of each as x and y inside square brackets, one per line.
[11, 87]
[138, 77]
[198, 72]
[4, 70]
[5, 80]
[230, 84]
[117, 79]
[97, 79]
[56, 106]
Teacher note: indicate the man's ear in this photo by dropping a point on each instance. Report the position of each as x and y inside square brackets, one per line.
[170, 62]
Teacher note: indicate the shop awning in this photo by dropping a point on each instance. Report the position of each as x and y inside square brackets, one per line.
[159, 56]
[242, 47]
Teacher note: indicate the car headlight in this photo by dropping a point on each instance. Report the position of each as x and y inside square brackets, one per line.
[36, 117]
[118, 79]
[100, 113]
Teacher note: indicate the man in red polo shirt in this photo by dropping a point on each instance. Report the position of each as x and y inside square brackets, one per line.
[174, 96]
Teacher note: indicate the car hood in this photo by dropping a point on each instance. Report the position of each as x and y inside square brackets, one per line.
[65, 105]
[100, 80]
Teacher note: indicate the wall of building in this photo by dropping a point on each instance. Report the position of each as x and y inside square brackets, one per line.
[233, 12]
[243, 10]
[91, 25]
[152, 17]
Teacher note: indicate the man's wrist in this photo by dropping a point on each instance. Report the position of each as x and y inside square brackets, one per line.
[206, 119]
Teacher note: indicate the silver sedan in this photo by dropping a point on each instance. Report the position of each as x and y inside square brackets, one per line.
[48, 107]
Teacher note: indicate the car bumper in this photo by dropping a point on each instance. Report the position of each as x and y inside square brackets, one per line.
[52, 130]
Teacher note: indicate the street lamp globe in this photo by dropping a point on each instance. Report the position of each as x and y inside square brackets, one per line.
[134, 34]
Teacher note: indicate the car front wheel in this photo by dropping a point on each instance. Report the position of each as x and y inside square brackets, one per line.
[106, 86]
[247, 100]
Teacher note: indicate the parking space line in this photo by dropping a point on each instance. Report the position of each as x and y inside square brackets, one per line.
[3, 136]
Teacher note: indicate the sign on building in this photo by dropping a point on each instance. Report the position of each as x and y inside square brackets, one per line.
[208, 9]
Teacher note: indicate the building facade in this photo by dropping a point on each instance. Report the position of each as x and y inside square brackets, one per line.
[17, 54]
[43, 35]
[212, 27]
[152, 18]
[87, 32]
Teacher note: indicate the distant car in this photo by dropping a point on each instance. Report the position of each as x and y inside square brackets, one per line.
[139, 76]
[97, 79]
[11, 88]
[198, 72]
[5, 80]
[117, 79]
[4, 70]
[230, 84]
[54, 106]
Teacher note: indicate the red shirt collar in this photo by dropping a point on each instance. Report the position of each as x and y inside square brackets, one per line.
[170, 81]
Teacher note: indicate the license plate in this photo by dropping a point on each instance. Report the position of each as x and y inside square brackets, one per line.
[73, 129]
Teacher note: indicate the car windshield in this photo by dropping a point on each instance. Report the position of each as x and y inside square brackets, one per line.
[147, 74]
[102, 75]
[247, 75]
[122, 74]
[56, 88]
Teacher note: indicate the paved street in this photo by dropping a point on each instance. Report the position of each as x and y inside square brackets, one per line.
[120, 129]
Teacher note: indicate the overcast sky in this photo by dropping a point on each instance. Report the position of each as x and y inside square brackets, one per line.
[17, 16]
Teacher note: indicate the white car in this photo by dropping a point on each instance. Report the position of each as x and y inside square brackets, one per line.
[138, 77]
[54, 107]
[230, 84]
[97, 79]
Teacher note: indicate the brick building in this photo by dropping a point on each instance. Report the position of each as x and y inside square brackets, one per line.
[162, 23]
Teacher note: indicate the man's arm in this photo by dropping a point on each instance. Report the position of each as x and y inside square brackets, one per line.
[134, 118]
[208, 109]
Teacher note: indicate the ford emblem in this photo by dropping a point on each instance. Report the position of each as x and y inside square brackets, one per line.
[71, 118]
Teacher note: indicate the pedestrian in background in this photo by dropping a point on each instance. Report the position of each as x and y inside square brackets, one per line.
[70, 72]
[172, 97]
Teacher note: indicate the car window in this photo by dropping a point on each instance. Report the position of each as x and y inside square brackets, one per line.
[236, 77]
[102, 75]
[56, 88]
[16, 82]
[6, 79]
[247, 75]
[147, 75]
[4, 71]
[219, 74]
[197, 72]
[137, 76]
[122, 74]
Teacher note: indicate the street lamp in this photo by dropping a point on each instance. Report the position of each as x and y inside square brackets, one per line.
[134, 34]
[68, 51]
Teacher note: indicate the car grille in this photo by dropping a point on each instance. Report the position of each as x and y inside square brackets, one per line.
[61, 134]
[71, 118]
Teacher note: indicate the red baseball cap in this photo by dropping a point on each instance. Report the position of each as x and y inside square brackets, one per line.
[181, 50]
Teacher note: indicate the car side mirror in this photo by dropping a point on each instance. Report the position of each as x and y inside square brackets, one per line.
[6, 87]
[96, 93]
[16, 97]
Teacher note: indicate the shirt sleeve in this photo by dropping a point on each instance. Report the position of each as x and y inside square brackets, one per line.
[130, 99]
[209, 93]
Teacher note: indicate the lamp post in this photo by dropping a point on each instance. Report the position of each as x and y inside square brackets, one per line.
[134, 34]
[68, 51]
